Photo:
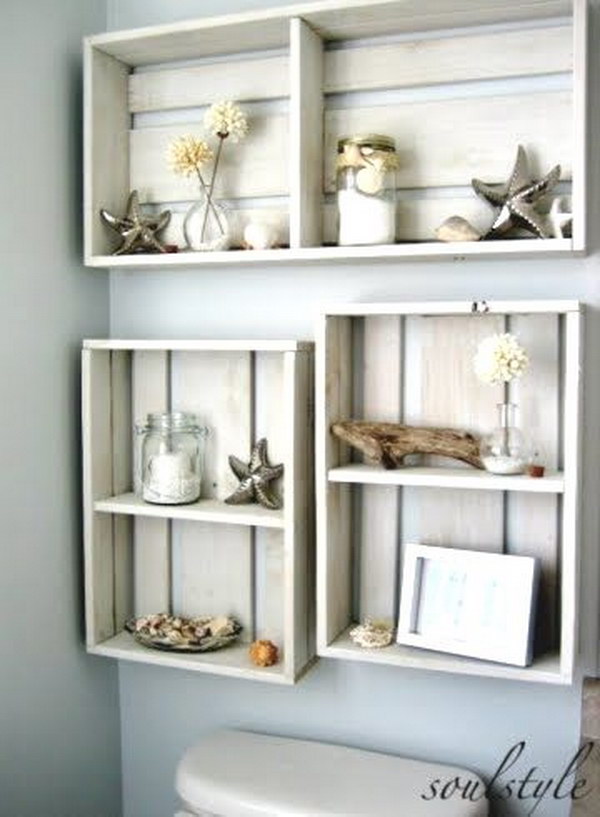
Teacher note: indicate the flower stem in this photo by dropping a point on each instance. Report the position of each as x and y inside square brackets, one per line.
[210, 192]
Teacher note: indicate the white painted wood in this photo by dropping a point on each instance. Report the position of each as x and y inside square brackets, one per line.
[380, 507]
[545, 669]
[425, 308]
[447, 477]
[306, 135]
[317, 256]
[336, 19]
[122, 478]
[105, 146]
[214, 562]
[233, 662]
[255, 167]
[198, 85]
[205, 510]
[580, 123]
[97, 483]
[449, 59]
[199, 346]
[151, 537]
[333, 400]
[447, 142]
[273, 424]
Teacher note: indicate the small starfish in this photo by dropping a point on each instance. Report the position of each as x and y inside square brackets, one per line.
[136, 230]
[255, 477]
[517, 199]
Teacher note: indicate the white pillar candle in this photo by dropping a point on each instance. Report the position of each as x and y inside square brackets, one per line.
[365, 219]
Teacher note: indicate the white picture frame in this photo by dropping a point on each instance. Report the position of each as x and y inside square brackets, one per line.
[468, 603]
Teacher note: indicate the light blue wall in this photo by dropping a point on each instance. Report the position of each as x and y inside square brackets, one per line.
[59, 709]
[466, 721]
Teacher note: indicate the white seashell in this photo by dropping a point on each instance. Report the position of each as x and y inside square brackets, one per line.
[457, 228]
[560, 219]
[260, 236]
[372, 634]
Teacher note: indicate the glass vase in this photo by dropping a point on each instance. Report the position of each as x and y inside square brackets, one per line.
[505, 450]
[206, 226]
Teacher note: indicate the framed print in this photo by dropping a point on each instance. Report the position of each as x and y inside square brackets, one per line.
[468, 603]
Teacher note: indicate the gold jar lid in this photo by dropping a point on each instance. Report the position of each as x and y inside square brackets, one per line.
[375, 141]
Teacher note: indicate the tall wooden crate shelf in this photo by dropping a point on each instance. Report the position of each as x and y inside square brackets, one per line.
[413, 363]
[207, 557]
[459, 84]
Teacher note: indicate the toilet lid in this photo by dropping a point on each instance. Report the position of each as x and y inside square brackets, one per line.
[241, 774]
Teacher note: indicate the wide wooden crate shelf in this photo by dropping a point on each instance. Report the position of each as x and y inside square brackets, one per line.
[232, 662]
[459, 85]
[412, 363]
[545, 668]
[205, 510]
[362, 474]
[205, 558]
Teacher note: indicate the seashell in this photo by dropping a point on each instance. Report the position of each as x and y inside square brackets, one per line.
[263, 653]
[372, 634]
[369, 180]
[457, 228]
[260, 236]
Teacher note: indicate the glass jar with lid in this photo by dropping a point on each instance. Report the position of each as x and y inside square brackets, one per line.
[366, 189]
[170, 458]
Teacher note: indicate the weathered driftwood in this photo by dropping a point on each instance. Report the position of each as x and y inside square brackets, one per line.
[388, 443]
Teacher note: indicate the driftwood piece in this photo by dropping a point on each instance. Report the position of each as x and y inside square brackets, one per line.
[388, 443]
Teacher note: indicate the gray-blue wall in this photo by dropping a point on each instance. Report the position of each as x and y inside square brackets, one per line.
[59, 709]
[465, 721]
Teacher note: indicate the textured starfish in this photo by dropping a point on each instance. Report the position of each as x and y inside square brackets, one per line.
[517, 199]
[255, 478]
[137, 231]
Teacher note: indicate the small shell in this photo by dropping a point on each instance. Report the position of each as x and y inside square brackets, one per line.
[457, 228]
[260, 236]
[372, 634]
[263, 653]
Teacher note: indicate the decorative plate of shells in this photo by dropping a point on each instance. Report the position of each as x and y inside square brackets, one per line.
[161, 631]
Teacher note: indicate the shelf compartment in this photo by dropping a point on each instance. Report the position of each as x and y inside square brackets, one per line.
[207, 558]
[412, 363]
[231, 661]
[545, 668]
[205, 510]
[458, 478]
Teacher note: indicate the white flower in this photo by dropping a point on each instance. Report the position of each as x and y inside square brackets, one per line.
[186, 154]
[500, 359]
[225, 119]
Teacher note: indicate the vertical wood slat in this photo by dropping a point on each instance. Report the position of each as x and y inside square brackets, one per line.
[122, 472]
[580, 127]
[333, 401]
[444, 391]
[532, 520]
[306, 135]
[151, 538]
[270, 422]
[379, 534]
[214, 573]
[97, 484]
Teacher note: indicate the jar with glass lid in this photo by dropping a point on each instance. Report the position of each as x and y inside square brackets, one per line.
[366, 189]
[170, 458]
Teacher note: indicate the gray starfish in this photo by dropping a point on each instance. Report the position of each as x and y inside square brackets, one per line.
[255, 478]
[517, 199]
[137, 230]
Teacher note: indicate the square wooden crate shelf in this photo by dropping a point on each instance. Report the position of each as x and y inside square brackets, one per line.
[457, 84]
[207, 557]
[413, 363]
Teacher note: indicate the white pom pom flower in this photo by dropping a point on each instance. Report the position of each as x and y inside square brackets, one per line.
[500, 359]
[226, 119]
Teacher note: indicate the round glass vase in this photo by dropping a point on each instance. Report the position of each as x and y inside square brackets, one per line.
[505, 450]
[206, 226]
[170, 459]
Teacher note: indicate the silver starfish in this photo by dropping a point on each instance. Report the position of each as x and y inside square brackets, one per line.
[255, 477]
[517, 199]
[137, 230]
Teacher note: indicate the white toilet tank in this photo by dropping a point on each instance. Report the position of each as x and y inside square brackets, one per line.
[242, 774]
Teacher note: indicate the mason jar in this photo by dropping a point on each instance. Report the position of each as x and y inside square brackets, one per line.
[366, 190]
[170, 458]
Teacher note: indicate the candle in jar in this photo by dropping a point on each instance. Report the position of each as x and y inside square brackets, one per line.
[170, 479]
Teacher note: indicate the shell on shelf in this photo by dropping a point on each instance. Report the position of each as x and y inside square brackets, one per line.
[373, 634]
[263, 653]
[457, 228]
[162, 631]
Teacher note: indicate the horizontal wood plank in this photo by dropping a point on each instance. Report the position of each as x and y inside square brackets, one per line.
[450, 141]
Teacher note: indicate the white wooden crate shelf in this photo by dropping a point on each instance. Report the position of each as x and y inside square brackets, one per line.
[413, 363]
[206, 558]
[362, 474]
[459, 86]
